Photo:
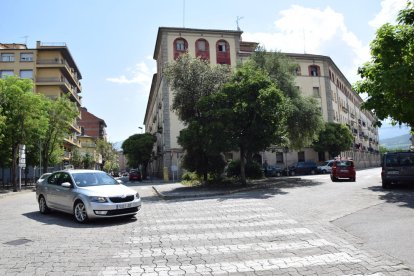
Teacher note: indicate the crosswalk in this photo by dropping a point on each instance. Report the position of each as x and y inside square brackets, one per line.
[234, 236]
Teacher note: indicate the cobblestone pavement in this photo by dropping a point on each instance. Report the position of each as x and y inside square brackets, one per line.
[221, 236]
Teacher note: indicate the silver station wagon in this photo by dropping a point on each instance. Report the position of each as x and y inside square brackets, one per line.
[87, 194]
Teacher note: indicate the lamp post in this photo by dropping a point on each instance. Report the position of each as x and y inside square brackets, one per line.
[140, 129]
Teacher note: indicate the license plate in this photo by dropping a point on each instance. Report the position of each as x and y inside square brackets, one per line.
[393, 172]
[125, 205]
[344, 171]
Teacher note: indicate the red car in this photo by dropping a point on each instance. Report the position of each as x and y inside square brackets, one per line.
[135, 176]
[343, 169]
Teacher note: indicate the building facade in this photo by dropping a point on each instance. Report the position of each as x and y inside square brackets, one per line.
[53, 71]
[316, 76]
[92, 129]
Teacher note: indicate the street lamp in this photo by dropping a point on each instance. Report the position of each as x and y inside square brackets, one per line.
[140, 129]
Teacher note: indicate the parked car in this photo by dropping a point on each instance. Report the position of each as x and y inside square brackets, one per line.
[397, 167]
[271, 170]
[326, 167]
[87, 194]
[308, 167]
[343, 169]
[135, 175]
[43, 177]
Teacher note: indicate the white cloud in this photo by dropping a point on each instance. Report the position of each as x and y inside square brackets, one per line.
[388, 13]
[139, 74]
[316, 31]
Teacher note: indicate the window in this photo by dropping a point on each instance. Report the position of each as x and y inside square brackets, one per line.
[279, 157]
[316, 92]
[26, 57]
[201, 45]
[4, 73]
[314, 70]
[301, 156]
[26, 74]
[180, 47]
[223, 52]
[5, 57]
[297, 71]
[221, 46]
[202, 49]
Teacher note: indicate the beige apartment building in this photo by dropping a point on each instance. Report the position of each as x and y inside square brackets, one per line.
[317, 76]
[53, 71]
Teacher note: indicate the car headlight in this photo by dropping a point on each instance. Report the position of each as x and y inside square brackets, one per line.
[99, 199]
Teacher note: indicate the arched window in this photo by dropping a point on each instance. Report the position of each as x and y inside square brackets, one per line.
[202, 49]
[314, 70]
[180, 47]
[223, 52]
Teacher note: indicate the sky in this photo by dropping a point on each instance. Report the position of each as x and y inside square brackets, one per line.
[112, 41]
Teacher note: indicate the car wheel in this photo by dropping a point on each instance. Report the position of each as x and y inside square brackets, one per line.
[43, 208]
[386, 184]
[79, 212]
[292, 173]
[278, 174]
[334, 179]
[324, 171]
[312, 171]
[353, 179]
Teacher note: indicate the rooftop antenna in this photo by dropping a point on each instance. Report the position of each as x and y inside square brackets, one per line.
[237, 22]
[25, 39]
[183, 13]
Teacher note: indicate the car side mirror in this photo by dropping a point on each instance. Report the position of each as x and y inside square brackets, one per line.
[66, 185]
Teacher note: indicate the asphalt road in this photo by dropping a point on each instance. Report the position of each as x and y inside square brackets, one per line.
[295, 228]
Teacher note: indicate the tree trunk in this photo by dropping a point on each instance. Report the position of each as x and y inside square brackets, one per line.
[242, 166]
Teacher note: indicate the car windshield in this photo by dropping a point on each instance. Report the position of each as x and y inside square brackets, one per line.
[85, 179]
[344, 163]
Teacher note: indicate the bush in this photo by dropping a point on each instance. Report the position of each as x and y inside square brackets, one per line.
[253, 170]
[190, 176]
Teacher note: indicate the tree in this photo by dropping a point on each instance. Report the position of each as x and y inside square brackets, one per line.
[25, 118]
[334, 139]
[388, 77]
[108, 153]
[304, 120]
[253, 109]
[88, 161]
[76, 159]
[61, 113]
[192, 79]
[138, 149]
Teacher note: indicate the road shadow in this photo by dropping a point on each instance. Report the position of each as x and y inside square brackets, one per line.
[400, 194]
[67, 220]
[261, 189]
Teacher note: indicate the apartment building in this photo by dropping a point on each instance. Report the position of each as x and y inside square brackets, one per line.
[316, 75]
[92, 129]
[53, 71]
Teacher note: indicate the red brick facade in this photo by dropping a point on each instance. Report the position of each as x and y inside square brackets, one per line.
[92, 125]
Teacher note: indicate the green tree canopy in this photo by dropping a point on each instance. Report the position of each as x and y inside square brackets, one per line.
[334, 139]
[25, 118]
[254, 111]
[191, 79]
[109, 155]
[138, 149]
[388, 78]
[304, 120]
[62, 114]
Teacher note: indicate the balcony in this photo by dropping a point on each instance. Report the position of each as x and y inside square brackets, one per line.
[69, 72]
[63, 83]
[71, 139]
